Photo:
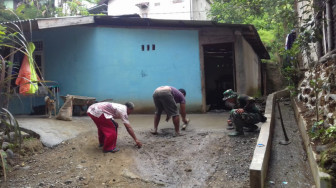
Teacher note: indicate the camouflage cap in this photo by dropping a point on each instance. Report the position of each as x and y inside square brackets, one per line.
[228, 94]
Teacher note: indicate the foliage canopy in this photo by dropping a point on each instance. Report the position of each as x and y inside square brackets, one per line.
[272, 18]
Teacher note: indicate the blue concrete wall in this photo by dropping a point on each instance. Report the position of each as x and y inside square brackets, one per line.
[107, 63]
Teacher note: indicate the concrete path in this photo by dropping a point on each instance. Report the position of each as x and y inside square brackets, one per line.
[53, 132]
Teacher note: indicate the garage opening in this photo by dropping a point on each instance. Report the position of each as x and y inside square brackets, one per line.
[219, 73]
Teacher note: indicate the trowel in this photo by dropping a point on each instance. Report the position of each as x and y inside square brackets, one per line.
[185, 125]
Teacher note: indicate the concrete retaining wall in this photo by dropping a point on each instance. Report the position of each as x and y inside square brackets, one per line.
[259, 164]
[322, 180]
[260, 160]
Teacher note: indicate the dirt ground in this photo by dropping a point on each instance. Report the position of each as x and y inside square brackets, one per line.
[201, 158]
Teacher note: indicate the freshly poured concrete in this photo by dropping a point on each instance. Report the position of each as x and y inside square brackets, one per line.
[53, 132]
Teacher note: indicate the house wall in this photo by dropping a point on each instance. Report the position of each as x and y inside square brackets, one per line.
[109, 63]
[304, 10]
[200, 9]
[252, 70]
[117, 7]
[162, 9]
[248, 73]
[9, 4]
[211, 36]
[158, 9]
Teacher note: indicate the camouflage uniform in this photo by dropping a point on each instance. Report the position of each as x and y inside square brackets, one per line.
[249, 117]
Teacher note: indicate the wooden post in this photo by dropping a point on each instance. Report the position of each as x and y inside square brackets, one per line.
[329, 26]
[9, 76]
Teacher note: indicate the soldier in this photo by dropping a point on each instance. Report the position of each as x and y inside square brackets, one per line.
[244, 113]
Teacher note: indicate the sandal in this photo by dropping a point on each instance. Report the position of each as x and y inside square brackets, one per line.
[112, 151]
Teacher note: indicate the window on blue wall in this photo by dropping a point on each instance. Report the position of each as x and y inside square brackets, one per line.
[148, 47]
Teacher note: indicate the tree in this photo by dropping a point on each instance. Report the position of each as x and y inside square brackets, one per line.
[30, 9]
[272, 18]
[5, 15]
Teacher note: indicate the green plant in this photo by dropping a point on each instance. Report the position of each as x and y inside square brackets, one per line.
[3, 164]
[316, 84]
[317, 130]
[272, 18]
[13, 37]
[329, 134]
[11, 124]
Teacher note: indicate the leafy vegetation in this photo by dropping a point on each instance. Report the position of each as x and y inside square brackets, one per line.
[11, 125]
[12, 38]
[30, 9]
[272, 18]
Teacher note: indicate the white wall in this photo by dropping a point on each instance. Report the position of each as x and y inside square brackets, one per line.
[9, 4]
[200, 8]
[247, 67]
[161, 9]
[252, 67]
[117, 7]
[301, 7]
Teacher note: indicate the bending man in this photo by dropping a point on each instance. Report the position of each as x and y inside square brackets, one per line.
[103, 114]
[166, 99]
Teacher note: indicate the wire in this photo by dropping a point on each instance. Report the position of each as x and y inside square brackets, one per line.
[176, 12]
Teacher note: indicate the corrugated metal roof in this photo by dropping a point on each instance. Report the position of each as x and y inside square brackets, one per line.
[248, 31]
[99, 9]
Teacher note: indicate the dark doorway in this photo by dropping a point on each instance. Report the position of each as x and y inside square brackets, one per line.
[219, 73]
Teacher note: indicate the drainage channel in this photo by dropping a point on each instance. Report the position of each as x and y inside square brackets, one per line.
[288, 164]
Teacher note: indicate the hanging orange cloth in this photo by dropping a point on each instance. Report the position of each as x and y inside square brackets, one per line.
[27, 78]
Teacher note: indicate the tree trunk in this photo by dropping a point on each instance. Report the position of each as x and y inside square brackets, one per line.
[317, 11]
[329, 26]
[2, 79]
[9, 76]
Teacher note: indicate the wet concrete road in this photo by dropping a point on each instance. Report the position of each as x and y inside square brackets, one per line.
[53, 132]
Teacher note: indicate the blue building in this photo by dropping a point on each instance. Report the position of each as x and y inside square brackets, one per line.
[125, 58]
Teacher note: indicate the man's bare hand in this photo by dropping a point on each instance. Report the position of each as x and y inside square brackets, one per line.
[240, 110]
[186, 121]
[167, 118]
[138, 143]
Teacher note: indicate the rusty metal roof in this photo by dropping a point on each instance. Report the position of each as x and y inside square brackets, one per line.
[248, 31]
